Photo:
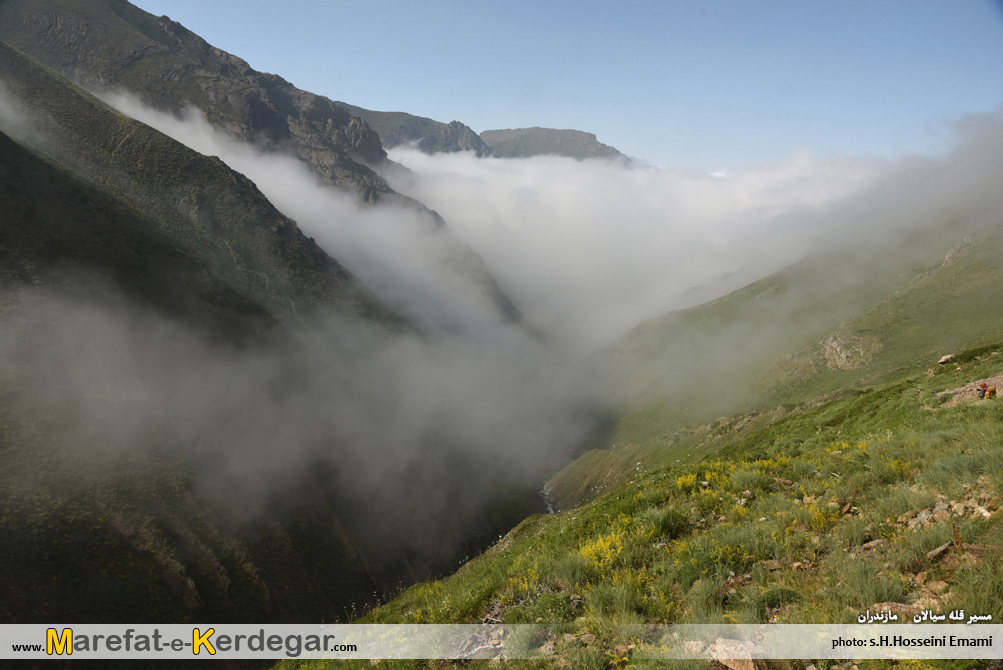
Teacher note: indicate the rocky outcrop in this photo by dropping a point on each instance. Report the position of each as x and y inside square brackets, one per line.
[465, 138]
[428, 135]
[847, 350]
[525, 142]
[959, 250]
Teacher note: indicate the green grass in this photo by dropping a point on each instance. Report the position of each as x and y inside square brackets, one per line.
[714, 539]
[690, 371]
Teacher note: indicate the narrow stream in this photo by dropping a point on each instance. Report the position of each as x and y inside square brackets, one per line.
[545, 494]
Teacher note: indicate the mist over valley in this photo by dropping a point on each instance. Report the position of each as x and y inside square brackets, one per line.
[267, 357]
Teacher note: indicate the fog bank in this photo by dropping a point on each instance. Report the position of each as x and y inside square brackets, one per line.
[590, 248]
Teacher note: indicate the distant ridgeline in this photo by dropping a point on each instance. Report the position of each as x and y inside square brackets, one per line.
[113, 45]
[525, 142]
[399, 128]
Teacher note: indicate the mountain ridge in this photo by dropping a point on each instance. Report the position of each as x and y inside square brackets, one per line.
[233, 228]
[400, 128]
[536, 141]
[113, 45]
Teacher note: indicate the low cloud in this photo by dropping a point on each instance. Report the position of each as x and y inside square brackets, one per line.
[587, 250]
[423, 433]
[393, 250]
[591, 248]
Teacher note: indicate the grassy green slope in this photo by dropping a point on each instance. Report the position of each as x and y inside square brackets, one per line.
[954, 305]
[811, 508]
[813, 516]
[821, 325]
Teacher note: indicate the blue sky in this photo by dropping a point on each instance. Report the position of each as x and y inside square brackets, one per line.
[691, 85]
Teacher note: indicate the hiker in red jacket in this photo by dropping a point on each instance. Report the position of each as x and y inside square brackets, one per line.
[982, 391]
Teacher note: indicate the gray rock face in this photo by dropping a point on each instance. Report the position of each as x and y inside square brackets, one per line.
[465, 138]
[397, 128]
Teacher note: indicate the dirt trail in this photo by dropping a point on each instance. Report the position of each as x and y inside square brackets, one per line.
[970, 391]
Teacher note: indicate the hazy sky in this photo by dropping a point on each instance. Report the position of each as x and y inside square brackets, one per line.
[692, 85]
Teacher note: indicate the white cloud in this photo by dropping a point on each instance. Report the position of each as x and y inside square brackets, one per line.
[590, 248]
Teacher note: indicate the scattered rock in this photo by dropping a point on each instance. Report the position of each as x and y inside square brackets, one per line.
[874, 545]
[588, 638]
[939, 552]
[949, 358]
[848, 350]
[693, 646]
[937, 587]
[732, 654]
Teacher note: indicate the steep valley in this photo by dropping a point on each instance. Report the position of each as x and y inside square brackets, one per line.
[245, 380]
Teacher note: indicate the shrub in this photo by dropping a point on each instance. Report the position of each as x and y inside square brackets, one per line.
[668, 522]
[551, 607]
[774, 598]
[686, 483]
[572, 568]
[751, 480]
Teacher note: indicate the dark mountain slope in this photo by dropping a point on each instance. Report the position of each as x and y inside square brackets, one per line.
[205, 209]
[90, 533]
[111, 44]
[88, 537]
[396, 128]
[525, 142]
[59, 229]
